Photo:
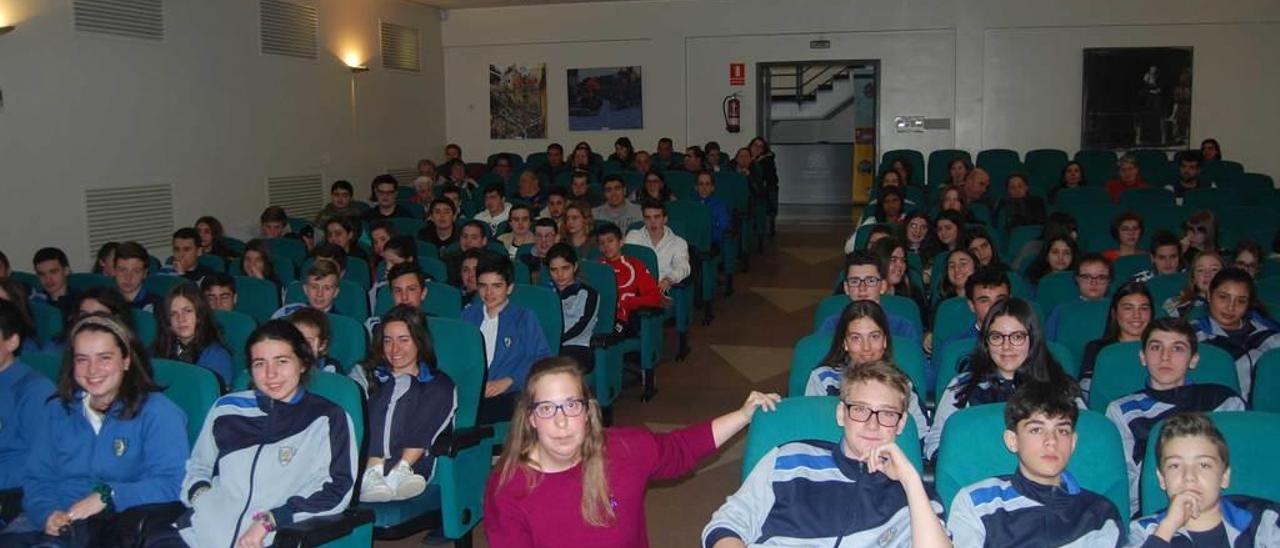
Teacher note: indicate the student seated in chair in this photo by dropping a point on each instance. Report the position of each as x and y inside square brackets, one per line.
[580, 189]
[546, 233]
[309, 456]
[23, 392]
[219, 291]
[1188, 175]
[398, 250]
[705, 186]
[274, 222]
[866, 279]
[314, 326]
[1040, 504]
[1169, 352]
[862, 337]
[321, 288]
[51, 266]
[1129, 315]
[440, 229]
[1194, 468]
[408, 286]
[1238, 323]
[257, 263]
[983, 289]
[671, 249]
[385, 188]
[186, 257]
[340, 204]
[473, 238]
[637, 288]
[860, 491]
[110, 441]
[1093, 279]
[411, 403]
[579, 303]
[557, 203]
[513, 338]
[470, 262]
[1011, 352]
[132, 267]
[496, 208]
[343, 232]
[616, 208]
[187, 332]
[1166, 257]
[520, 220]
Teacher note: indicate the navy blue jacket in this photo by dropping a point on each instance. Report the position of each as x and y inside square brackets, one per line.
[1015, 511]
[23, 393]
[409, 413]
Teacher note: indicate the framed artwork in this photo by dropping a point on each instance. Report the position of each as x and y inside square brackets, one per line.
[518, 101]
[1136, 98]
[605, 98]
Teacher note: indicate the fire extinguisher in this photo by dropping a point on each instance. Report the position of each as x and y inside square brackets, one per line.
[732, 108]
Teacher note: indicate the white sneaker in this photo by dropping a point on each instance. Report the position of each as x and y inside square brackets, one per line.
[404, 482]
[373, 486]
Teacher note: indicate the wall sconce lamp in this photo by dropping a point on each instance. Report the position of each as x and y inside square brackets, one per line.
[6, 30]
[359, 69]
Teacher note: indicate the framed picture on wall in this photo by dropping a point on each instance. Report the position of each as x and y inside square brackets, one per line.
[1136, 98]
[518, 101]
[605, 98]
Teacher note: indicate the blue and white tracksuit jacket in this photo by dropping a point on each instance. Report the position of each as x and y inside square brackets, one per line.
[579, 303]
[1245, 347]
[1246, 522]
[295, 459]
[1136, 414]
[825, 381]
[1015, 511]
[808, 493]
[407, 412]
[23, 392]
[139, 459]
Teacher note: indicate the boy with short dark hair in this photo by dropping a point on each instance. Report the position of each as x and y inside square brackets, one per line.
[220, 290]
[637, 287]
[186, 257]
[513, 338]
[131, 269]
[860, 491]
[1194, 467]
[616, 208]
[53, 269]
[274, 222]
[1041, 504]
[440, 229]
[341, 203]
[1169, 352]
[385, 190]
[1166, 257]
[496, 207]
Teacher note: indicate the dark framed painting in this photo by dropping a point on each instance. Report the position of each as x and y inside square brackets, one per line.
[605, 98]
[1136, 98]
[518, 101]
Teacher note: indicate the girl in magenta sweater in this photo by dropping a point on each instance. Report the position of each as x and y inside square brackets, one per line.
[565, 480]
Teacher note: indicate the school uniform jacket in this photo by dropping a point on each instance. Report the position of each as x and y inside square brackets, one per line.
[1136, 414]
[520, 341]
[808, 493]
[23, 392]
[1015, 511]
[579, 303]
[825, 381]
[1260, 335]
[1246, 522]
[295, 459]
[409, 412]
[139, 459]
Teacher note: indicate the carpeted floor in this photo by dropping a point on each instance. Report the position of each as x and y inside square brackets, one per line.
[748, 347]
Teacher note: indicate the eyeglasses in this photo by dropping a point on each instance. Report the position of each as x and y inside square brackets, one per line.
[570, 408]
[869, 281]
[861, 413]
[1094, 279]
[1017, 338]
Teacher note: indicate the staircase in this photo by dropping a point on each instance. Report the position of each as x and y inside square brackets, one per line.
[808, 91]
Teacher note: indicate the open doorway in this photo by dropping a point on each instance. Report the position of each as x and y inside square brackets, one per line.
[820, 119]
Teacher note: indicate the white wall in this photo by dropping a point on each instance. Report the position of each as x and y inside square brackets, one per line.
[1008, 72]
[204, 110]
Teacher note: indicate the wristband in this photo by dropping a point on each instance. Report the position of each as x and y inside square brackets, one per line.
[105, 495]
[266, 519]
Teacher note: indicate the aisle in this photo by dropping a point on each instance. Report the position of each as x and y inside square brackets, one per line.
[748, 347]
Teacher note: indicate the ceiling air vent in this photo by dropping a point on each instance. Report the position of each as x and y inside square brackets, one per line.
[142, 214]
[141, 19]
[289, 29]
[301, 196]
[400, 50]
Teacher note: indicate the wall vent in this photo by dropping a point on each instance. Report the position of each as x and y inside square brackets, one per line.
[403, 175]
[141, 19]
[400, 48]
[286, 28]
[142, 214]
[301, 196]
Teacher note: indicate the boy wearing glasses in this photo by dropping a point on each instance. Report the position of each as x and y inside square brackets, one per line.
[1169, 352]
[1195, 466]
[1040, 504]
[385, 206]
[1093, 278]
[866, 278]
[860, 491]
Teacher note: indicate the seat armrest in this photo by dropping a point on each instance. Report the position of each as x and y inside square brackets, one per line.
[649, 311]
[449, 444]
[603, 340]
[141, 521]
[319, 530]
